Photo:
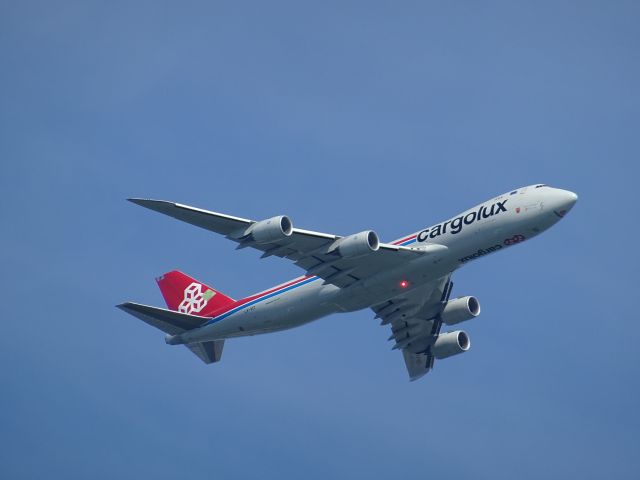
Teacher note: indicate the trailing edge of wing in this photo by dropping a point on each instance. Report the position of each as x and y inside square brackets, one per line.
[166, 320]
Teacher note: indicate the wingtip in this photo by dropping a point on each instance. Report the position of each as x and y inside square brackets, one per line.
[151, 204]
[417, 377]
[138, 201]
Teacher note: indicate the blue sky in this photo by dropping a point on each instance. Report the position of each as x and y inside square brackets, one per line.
[344, 116]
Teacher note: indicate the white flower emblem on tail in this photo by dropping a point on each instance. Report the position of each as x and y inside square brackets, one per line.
[194, 300]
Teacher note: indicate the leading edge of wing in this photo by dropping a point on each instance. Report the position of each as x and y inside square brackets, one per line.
[227, 224]
[214, 221]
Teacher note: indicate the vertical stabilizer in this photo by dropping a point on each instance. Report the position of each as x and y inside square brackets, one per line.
[187, 295]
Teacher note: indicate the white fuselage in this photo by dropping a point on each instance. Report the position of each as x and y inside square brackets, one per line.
[486, 228]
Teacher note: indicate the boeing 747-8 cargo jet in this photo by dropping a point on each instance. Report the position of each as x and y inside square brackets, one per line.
[407, 283]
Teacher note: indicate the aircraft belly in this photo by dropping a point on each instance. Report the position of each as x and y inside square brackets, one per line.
[387, 285]
[288, 311]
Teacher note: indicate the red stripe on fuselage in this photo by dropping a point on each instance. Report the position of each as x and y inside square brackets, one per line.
[258, 295]
[411, 237]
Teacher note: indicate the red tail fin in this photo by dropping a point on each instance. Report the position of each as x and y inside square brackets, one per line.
[187, 295]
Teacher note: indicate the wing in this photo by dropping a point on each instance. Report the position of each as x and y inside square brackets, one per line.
[319, 254]
[415, 323]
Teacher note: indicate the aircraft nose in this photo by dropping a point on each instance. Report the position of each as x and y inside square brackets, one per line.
[569, 199]
[563, 201]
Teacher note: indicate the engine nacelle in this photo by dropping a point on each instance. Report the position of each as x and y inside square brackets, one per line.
[358, 244]
[450, 344]
[460, 310]
[272, 229]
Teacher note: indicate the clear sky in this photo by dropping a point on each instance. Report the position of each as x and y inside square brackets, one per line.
[344, 116]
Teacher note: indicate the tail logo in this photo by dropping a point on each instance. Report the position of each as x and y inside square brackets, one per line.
[195, 299]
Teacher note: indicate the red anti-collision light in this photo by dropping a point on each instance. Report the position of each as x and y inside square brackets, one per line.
[404, 284]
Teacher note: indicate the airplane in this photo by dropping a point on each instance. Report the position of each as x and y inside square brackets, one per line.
[407, 283]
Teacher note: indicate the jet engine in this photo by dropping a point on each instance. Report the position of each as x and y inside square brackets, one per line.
[450, 343]
[358, 244]
[460, 310]
[271, 229]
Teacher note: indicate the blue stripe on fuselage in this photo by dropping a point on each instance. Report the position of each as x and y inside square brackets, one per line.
[257, 300]
[408, 242]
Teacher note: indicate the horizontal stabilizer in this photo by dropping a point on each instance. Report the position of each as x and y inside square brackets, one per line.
[208, 352]
[168, 321]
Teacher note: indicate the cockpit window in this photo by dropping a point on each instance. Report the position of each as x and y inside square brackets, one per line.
[540, 186]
